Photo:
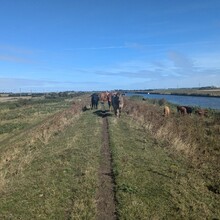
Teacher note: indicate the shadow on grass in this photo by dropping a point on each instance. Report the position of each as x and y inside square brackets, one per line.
[103, 114]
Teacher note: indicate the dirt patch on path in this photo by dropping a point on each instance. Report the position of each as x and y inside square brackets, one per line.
[105, 195]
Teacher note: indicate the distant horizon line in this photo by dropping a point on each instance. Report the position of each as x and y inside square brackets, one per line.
[56, 91]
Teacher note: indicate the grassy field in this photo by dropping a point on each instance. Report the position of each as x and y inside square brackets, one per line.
[50, 170]
[50, 159]
[152, 183]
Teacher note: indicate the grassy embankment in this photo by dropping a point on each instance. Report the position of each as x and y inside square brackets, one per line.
[164, 168]
[49, 169]
[23, 113]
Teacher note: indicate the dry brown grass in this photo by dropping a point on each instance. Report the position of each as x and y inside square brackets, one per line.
[49, 170]
[22, 149]
[6, 99]
[195, 137]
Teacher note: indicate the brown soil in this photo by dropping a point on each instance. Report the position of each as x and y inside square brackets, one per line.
[105, 195]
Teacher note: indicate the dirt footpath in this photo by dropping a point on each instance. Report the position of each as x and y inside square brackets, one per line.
[106, 197]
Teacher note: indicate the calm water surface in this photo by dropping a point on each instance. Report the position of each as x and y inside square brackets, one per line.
[203, 102]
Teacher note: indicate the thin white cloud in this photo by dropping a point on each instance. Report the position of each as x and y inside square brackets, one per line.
[126, 45]
[10, 53]
[16, 59]
[18, 82]
[180, 60]
[174, 68]
[207, 60]
[96, 48]
[13, 49]
[177, 68]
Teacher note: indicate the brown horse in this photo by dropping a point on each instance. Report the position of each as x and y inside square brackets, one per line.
[202, 112]
[182, 110]
[106, 97]
[103, 97]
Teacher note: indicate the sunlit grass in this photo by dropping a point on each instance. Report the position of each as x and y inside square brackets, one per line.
[50, 154]
[152, 183]
[54, 180]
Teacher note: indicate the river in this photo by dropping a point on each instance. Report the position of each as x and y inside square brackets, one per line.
[203, 102]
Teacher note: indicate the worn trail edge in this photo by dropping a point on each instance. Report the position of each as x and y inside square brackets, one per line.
[105, 196]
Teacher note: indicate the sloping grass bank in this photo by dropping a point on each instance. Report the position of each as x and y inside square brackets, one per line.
[17, 116]
[51, 170]
[194, 137]
[152, 183]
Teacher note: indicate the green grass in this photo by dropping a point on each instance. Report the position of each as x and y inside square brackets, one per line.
[23, 117]
[152, 183]
[54, 180]
[49, 167]
[193, 137]
[9, 127]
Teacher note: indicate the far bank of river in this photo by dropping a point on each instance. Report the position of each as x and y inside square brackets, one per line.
[203, 102]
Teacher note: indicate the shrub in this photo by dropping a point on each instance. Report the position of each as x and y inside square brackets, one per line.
[162, 102]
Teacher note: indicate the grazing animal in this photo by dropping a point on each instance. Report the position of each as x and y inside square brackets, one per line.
[166, 111]
[103, 97]
[117, 103]
[94, 100]
[106, 97]
[121, 102]
[202, 112]
[182, 110]
[109, 99]
[189, 110]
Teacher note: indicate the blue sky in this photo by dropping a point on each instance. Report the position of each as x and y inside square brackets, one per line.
[59, 45]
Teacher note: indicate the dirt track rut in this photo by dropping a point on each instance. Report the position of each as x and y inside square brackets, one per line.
[106, 196]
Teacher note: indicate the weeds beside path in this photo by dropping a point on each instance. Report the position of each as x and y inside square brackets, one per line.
[152, 183]
[59, 180]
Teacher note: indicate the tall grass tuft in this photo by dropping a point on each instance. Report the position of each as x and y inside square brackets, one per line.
[195, 137]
